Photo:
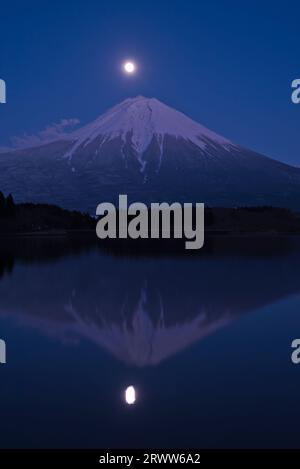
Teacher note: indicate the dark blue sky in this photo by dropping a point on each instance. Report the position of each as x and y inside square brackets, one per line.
[227, 64]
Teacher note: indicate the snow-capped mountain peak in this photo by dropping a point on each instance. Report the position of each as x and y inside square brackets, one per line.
[145, 149]
[142, 119]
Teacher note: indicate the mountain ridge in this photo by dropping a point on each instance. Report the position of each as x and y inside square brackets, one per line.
[144, 148]
[144, 118]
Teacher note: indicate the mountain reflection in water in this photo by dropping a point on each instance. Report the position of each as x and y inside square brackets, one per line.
[144, 310]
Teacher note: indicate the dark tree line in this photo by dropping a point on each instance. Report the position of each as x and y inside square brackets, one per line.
[7, 206]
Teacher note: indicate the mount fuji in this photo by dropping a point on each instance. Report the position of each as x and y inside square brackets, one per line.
[145, 149]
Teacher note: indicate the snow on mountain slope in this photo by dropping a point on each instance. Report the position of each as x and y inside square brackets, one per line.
[143, 119]
[145, 149]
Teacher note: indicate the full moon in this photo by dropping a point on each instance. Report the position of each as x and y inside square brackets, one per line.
[130, 395]
[129, 67]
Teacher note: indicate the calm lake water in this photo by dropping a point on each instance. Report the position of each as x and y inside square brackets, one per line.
[205, 341]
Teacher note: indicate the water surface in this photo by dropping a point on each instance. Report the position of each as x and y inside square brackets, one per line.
[205, 340]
